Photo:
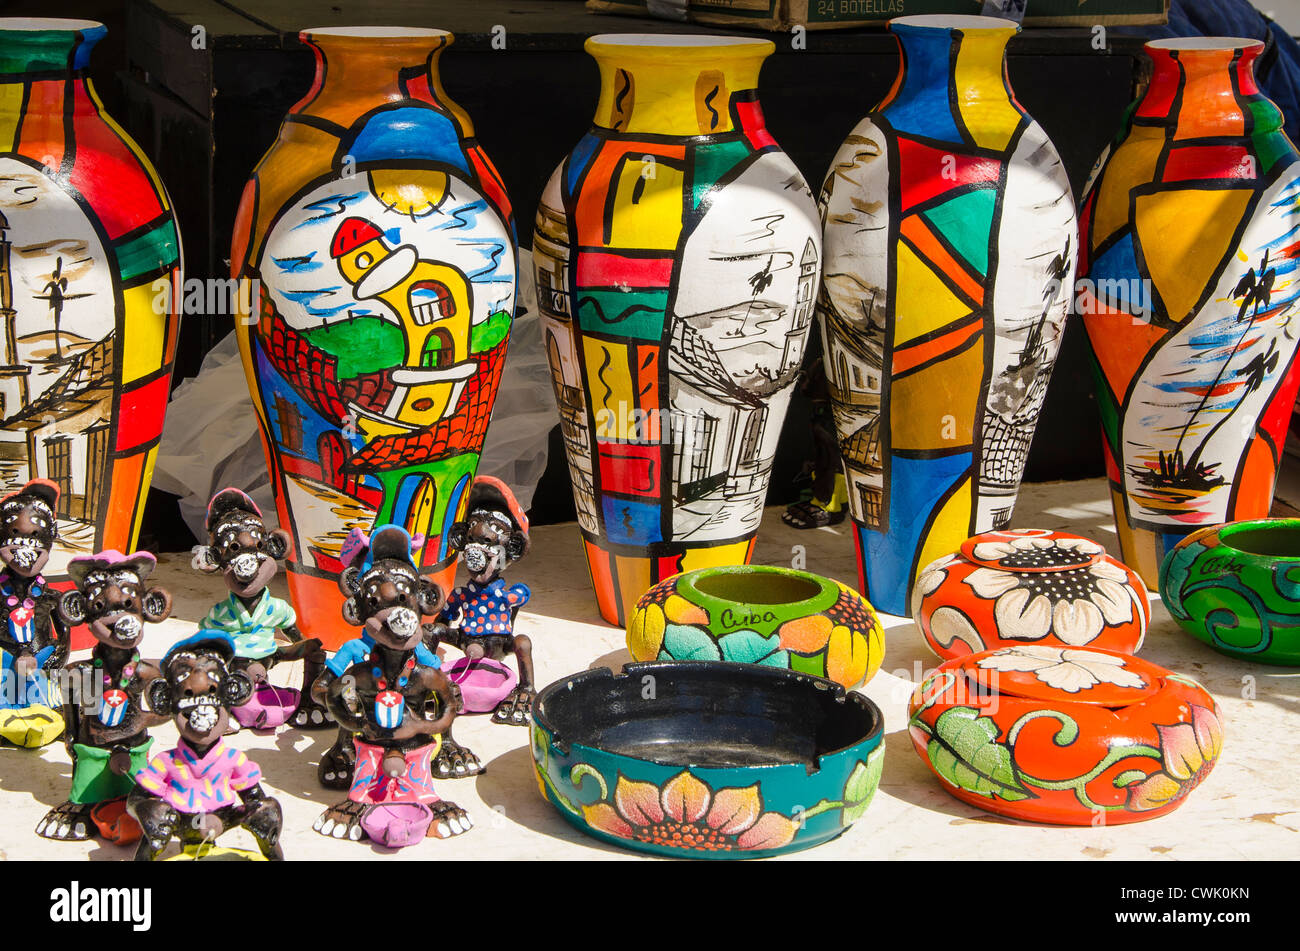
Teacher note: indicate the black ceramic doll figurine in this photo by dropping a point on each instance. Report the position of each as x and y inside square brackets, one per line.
[203, 787]
[244, 551]
[33, 637]
[479, 617]
[384, 698]
[107, 734]
[335, 769]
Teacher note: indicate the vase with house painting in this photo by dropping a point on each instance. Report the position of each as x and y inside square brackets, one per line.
[950, 253]
[382, 246]
[1190, 298]
[89, 287]
[676, 253]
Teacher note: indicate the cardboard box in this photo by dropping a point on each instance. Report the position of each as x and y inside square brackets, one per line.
[781, 15]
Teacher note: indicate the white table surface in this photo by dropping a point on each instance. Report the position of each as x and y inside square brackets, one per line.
[1248, 808]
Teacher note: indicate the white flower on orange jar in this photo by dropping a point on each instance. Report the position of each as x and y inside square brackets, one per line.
[1062, 668]
[1075, 600]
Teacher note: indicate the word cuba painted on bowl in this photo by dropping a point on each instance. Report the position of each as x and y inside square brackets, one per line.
[682, 759]
[1026, 586]
[382, 241]
[1070, 736]
[777, 617]
[677, 250]
[1190, 299]
[1237, 588]
[90, 278]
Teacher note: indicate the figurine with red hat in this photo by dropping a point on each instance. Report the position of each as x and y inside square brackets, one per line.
[479, 617]
[33, 638]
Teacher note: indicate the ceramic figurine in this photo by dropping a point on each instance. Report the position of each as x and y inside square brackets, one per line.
[34, 638]
[1030, 586]
[336, 765]
[1072, 736]
[382, 699]
[1237, 588]
[777, 617]
[202, 787]
[242, 549]
[950, 252]
[677, 253]
[382, 242]
[479, 617]
[725, 761]
[107, 734]
[90, 285]
[1189, 297]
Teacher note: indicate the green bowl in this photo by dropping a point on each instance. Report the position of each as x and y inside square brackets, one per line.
[1237, 588]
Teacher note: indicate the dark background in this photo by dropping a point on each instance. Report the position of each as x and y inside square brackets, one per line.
[205, 116]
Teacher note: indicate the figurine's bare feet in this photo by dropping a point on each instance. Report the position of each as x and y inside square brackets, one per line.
[67, 821]
[335, 770]
[342, 821]
[516, 709]
[310, 715]
[448, 819]
[455, 761]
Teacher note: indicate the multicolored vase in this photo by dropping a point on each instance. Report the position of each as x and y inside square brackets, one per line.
[1190, 297]
[1030, 586]
[90, 281]
[1064, 735]
[776, 617]
[1237, 587]
[677, 252]
[718, 761]
[381, 241]
[950, 247]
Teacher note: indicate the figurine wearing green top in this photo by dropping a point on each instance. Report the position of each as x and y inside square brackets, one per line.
[263, 628]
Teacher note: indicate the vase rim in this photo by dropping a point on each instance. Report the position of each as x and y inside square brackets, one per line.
[1205, 43]
[946, 21]
[376, 32]
[675, 43]
[45, 24]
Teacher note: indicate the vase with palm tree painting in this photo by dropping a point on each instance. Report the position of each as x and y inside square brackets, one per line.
[1190, 298]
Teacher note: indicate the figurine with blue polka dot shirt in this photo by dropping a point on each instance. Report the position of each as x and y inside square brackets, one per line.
[479, 617]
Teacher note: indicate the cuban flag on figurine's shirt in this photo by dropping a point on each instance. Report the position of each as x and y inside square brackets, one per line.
[22, 626]
[389, 706]
[112, 707]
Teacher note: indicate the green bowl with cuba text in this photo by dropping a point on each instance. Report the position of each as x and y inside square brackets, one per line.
[1237, 588]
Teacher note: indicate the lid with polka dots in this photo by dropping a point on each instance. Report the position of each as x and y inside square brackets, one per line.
[1078, 675]
[1032, 550]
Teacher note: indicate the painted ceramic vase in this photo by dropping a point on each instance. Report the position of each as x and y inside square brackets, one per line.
[730, 761]
[1189, 295]
[381, 241]
[1030, 586]
[90, 278]
[677, 253]
[1237, 588]
[776, 617]
[950, 247]
[1071, 736]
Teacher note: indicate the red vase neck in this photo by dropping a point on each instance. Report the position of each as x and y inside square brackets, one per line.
[1205, 88]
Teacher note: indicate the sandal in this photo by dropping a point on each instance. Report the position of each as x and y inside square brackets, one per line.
[805, 515]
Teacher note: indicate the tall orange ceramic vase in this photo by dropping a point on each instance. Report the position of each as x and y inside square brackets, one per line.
[90, 267]
[381, 241]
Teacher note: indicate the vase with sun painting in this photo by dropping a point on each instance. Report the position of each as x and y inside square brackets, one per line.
[676, 252]
[89, 278]
[381, 244]
[1189, 294]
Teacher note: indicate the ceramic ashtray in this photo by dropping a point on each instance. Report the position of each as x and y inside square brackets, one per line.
[1071, 736]
[1237, 587]
[1030, 586]
[707, 759]
[753, 614]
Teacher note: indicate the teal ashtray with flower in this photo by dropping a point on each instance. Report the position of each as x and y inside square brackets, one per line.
[1237, 588]
[707, 759]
